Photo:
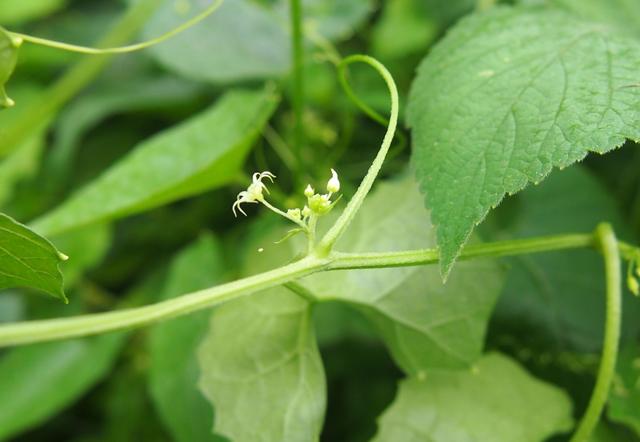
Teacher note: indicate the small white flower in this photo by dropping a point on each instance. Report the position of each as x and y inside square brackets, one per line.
[308, 191]
[333, 185]
[294, 213]
[253, 194]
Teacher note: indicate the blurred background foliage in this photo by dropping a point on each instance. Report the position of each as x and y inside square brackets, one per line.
[129, 386]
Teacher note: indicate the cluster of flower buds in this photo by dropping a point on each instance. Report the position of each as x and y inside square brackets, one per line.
[317, 204]
[320, 204]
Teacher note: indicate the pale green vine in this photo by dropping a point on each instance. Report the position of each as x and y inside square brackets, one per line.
[87, 69]
[334, 233]
[85, 325]
[609, 248]
[122, 49]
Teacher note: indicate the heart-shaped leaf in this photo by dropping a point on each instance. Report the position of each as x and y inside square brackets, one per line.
[28, 260]
[495, 401]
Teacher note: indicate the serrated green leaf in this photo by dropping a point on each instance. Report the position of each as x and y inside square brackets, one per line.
[8, 58]
[558, 298]
[28, 260]
[249, 40]
[505, 97]
[37, 381]
[260, 364]
[425, 324]
[624, 398]
[203, 153]
[496, 401]
[174, 368]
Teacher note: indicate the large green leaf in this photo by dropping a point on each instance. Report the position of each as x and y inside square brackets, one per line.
[496, 401]
[244, 39]
[174, 366]
[624, 399]
[38, 380]
[260, 364]
[203, 153]
[262, 370]
[507, 96]
[559, 297]
[8, 58]
[425, 323]
[28, 260]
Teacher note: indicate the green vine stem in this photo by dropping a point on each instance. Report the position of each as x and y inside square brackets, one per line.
[75, 79]
[122, 49]
[297, 55]
[91, 324]
[342, 66]
[609, 248]
[340, 226]
[85, 325]
[343, 69]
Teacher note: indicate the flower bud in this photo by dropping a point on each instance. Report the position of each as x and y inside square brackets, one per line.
[308, 192]
[333, 185]
[320, 204]
[306, 211]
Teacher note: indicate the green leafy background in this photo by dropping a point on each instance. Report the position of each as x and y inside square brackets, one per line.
[133, 176]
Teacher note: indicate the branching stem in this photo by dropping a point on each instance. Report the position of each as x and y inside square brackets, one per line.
[55, 329]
